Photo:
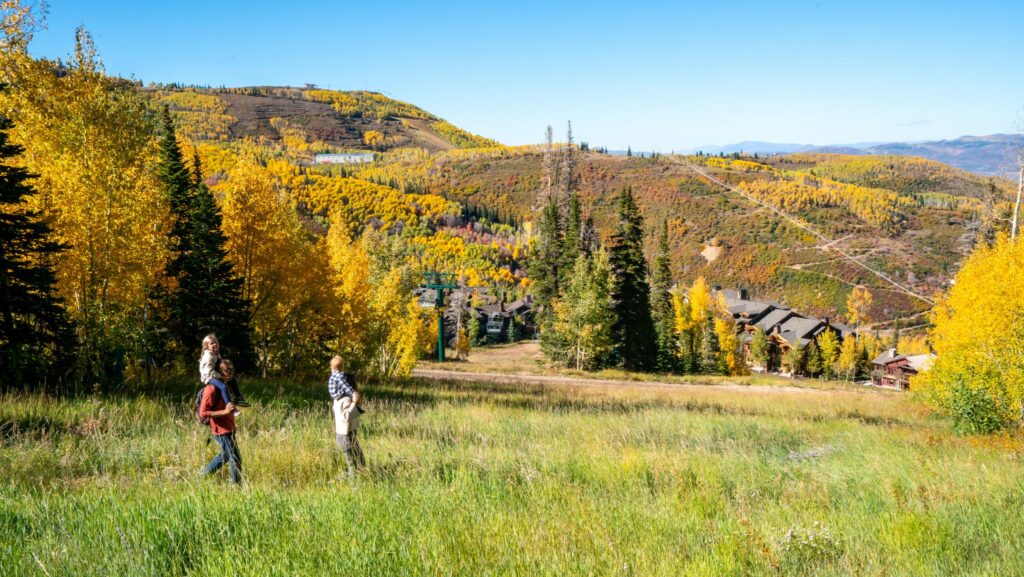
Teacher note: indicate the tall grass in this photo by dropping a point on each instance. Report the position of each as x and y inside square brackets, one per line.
[474, 479]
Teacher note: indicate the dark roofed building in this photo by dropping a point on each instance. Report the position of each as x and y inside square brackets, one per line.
[773, 319]
[800, 331]
[784, 327]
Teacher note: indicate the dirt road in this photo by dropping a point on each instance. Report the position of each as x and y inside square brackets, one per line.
[528, 379]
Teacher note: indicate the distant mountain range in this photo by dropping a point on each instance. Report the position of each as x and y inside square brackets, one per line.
[994, 154]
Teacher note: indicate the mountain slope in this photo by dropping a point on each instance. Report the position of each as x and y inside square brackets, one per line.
[333, 120]
[910, 218]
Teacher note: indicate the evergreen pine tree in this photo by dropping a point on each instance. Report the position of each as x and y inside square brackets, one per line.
[636, 344]
[36, 339]
[662, 311]
[863, 364]
[567, 174]
[710, 352]
[201, 293]
[221, 308]
[812, 359]
[571, 242]
[545, 266]
[589, 241]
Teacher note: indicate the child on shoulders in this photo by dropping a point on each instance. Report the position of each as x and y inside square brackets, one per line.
[346, 400]
[209, 371]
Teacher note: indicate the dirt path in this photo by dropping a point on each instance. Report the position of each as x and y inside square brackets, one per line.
[528, 379]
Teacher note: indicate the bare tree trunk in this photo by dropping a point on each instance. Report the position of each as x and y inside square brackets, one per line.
[1020, 187]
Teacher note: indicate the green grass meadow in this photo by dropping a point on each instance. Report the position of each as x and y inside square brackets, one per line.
[478, 479]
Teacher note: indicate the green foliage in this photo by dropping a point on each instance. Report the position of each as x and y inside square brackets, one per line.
[687, 481]
[201, 294]
[662, 313]
[813, 364]
[759, 348]
[581, 335]
[545, 265]
[635, 338]
[977, 411]
[36, 339]
[710, 351]
[793, 359]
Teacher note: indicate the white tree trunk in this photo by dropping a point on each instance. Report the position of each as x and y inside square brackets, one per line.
[1020, 187]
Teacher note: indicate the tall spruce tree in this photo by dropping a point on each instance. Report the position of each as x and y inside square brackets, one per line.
[711, 351]
[36, 338]
[201, 294]
[546, 264]
[571, 240]
[662, 311]
[568, 176]
[636, 345]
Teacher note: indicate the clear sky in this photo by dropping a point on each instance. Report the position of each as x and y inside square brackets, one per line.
[651, 75]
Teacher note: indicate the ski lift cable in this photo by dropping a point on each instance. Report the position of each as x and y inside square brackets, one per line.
[829, 244]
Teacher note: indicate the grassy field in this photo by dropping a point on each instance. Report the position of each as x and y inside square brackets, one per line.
[525, 359]
[477, 480]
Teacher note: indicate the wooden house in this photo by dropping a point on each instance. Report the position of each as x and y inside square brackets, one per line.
[784, 327]
[893, 370]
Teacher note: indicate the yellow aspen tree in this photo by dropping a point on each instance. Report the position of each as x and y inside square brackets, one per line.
[729, 346]
[91, 140]
[857, 304]
[374, 139]
[978, 375]
[828, 344]
[848, 357]
[277, 259]
[700, 301]
[350, 268]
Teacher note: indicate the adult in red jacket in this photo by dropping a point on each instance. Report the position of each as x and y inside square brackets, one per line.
[222, 425]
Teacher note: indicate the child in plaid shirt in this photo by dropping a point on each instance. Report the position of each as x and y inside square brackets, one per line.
[346, 409]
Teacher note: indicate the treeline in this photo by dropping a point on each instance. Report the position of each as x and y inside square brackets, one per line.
[122, 252]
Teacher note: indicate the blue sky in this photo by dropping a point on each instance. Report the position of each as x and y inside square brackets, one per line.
[654, 76]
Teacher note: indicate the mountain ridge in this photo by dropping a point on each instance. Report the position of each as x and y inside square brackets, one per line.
[988, 155]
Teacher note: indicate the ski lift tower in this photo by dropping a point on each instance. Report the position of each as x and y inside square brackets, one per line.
[439, 282]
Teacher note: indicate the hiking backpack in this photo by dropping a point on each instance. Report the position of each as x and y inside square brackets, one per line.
[195, 408]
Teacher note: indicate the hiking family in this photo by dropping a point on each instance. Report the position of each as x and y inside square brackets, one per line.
[219, 401]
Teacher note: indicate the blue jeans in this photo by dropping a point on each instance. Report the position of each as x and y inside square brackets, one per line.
[219, 384]
[228, 452]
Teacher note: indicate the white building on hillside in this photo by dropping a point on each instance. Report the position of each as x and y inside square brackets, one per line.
[344, 158]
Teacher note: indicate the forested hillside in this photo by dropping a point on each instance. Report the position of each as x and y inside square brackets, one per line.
[912, 218]
[327, 120]
[334, 245]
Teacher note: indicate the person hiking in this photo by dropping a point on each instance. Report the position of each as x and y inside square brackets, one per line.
[345, 405]
[209, 372]
[222, 426]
